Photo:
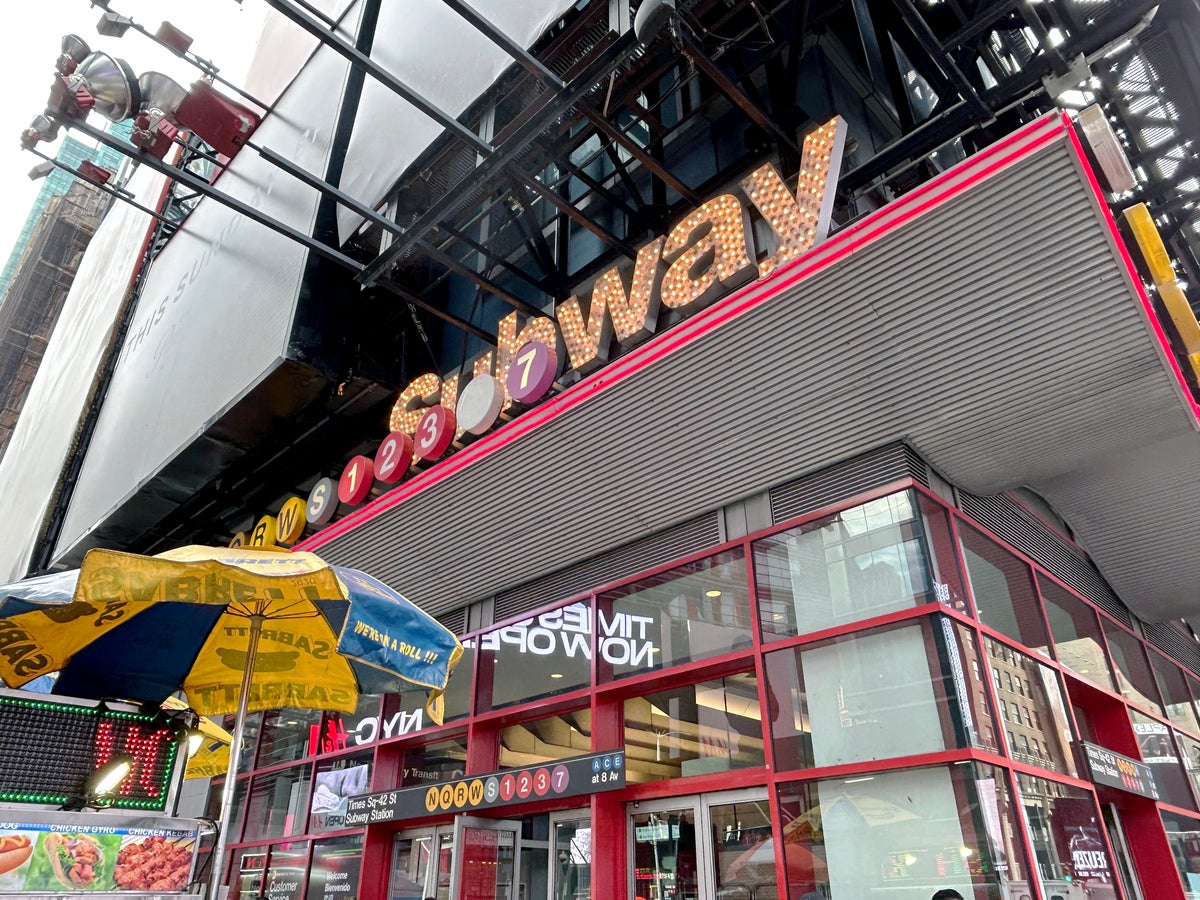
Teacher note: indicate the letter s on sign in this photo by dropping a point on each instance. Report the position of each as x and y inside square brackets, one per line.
[322, 502]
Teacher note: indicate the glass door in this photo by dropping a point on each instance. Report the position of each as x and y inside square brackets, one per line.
[421, 864]
[487, 864]
[703, 847]
[570, 856]
[739, 852]
[1116, 837]
[664, 854]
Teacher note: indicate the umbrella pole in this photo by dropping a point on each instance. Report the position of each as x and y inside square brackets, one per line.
[235, 755]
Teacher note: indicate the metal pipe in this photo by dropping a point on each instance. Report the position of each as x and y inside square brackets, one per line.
[235, 755]
[203, 187]
[106, 188]
[391, 227]
[358, 58]
[503, 155]
[204, 65]
[505, 43]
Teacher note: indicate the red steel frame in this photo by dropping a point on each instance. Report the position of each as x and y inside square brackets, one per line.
[608, 810]
[608, 813]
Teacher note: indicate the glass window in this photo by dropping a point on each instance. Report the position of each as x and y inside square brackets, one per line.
[539, 657]
[1132, 669]
[336, 781]
[1190, 748]
[287, 735]
[1002, 586]
[713, 726]
[876, 695]
[553, 737]
[572, 860]
[976, 719]
[1076, 631]
[338, 731]
[250, 865]
[459, 690]
[1173, 685]
[276, 805]
[1159, 752]
[404, 711]
[285, 871]
[249, 738]
[861, 562]
[335, 866]
[695, 611]
[908, 833]
[434, 763]
[403, 715]
[1183, 834]
[239, 804]
[1040, 687]
[1067, 836]
[943, 560]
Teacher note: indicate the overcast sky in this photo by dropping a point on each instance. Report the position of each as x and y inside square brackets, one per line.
[223, 31]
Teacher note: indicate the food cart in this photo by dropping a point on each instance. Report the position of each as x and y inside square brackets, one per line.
[64, 833]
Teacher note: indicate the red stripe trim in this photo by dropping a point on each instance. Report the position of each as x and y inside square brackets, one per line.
[1009, 150]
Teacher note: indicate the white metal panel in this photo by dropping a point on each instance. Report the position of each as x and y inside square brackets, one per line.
[32, 464]
[216, 309]
[434, 51]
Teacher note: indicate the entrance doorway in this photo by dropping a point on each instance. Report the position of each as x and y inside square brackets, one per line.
[473, 859]
[1130, 886]
[540, 857]
[703, 847]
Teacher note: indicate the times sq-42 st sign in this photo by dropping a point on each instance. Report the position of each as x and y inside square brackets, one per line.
[710, 251]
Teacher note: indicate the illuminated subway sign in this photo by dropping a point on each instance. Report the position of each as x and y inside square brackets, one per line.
[709, 251]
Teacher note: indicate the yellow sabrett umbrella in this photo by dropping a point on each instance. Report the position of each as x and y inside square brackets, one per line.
[234, 629]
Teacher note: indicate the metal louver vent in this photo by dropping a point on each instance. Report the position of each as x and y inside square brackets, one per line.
[671, 543]
[1173, 642]
[845, 479]
[1006, 520]
[455, 620]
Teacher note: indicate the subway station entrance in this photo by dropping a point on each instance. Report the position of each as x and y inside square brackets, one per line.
[703, 847]
[538, 857]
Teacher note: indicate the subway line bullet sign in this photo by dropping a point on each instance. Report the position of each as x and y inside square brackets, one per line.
[553, 780]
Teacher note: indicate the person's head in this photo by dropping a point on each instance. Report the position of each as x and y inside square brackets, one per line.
[947, 894]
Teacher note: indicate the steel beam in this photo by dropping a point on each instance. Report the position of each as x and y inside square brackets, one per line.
[495, 163]
[360, 59]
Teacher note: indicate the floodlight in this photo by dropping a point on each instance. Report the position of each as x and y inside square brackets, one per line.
[40, 129]
[160, 95]
[106, 779]
[112, 84]
[74, 49]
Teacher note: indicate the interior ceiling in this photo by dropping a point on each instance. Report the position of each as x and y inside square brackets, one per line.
[937, 80]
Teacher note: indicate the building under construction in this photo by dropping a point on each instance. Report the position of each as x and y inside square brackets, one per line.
[39, 273]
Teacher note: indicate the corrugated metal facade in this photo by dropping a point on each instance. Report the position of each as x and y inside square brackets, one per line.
[986, 320]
